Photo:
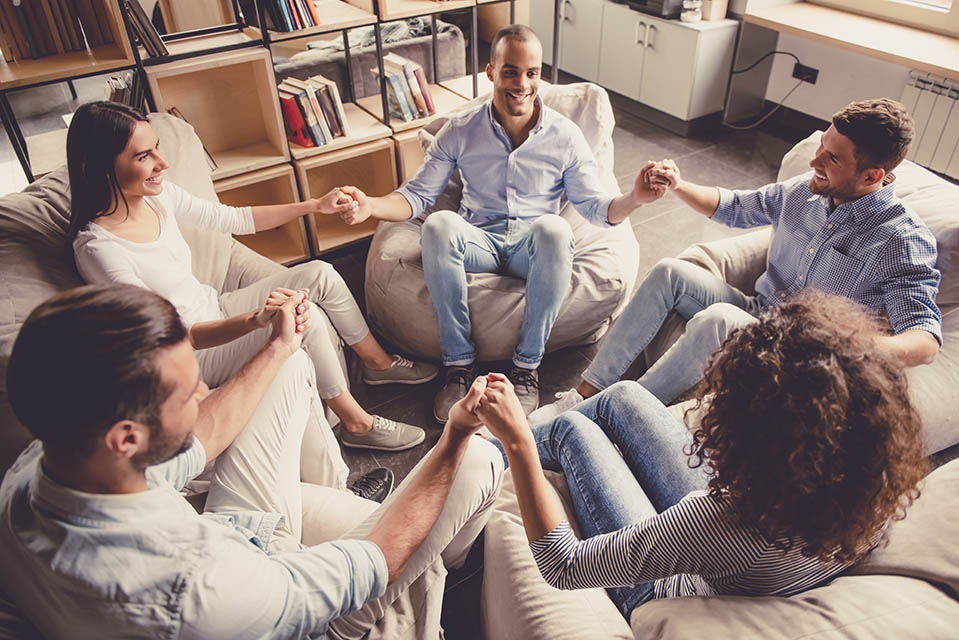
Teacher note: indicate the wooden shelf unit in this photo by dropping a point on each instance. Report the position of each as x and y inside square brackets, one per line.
[363, 128]
[409, 153]
[371, 166]
[444, 99]
[195, 14]
[286, 244]
[231, 101]
[104, 58]
[335, 15]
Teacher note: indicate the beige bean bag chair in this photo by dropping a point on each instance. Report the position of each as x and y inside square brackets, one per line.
[604, 265]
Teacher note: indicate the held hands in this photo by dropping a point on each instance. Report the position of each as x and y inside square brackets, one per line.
[291, 320]
[499, 409]
[264, 315]
[463, 418]
[665, 174]
[335, 202]
[654, 179]
[363, 209]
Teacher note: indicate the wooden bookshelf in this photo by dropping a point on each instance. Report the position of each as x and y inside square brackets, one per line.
[335, 15]
[231, 101]
[363, 128]
[286, 244]
[371, 166]
[444, 99]
[103, 58]
[208, 41]
[409, 153]
[187, 15]
[393, 9]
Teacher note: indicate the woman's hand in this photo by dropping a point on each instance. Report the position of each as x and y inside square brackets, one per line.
[263, 316]
[336, 202]
[501, 412]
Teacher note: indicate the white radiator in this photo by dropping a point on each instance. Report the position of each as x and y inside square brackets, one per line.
[933, 102]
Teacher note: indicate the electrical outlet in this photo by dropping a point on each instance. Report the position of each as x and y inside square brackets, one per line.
[806, 74]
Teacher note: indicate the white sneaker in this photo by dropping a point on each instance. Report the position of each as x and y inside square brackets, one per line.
[565, 400]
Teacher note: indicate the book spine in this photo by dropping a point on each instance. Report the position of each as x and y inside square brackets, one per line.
[425, 88]
[287, 18]
[305, 16]
[37, 22]
[318, 113]
[103, 21]
[418, 98]
[311, 5]
[52, 26]
[338, 105]
[6, 40]
[88, 21]
[314, 127]
[73, 23]
[296, 129]
[329, 111]
[396, 82]
[295, 14]
[25, 29]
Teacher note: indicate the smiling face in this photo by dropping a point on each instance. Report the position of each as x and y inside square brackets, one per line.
[140, 165]
[515, 71]
[835, 172]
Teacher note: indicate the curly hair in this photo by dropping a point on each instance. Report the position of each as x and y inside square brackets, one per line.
[881, 131]
[808, 429]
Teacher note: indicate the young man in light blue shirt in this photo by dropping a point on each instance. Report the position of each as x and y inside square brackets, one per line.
[839, 228]
[96, 540]
[517, 159]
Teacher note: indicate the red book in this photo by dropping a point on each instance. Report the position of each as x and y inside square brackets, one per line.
[295, 13]
[425, 88]
[296, 127]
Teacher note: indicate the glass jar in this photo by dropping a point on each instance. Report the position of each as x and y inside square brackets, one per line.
[692, 11]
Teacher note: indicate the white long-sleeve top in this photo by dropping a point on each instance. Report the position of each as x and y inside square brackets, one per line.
[164, 265]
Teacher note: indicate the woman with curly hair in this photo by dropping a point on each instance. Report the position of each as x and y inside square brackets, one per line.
[805, 445]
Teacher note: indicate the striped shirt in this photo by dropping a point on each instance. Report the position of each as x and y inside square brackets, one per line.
[873, 250]
[697, 547]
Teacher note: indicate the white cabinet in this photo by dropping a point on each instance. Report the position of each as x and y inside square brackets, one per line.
[681, 69]
[581, 29]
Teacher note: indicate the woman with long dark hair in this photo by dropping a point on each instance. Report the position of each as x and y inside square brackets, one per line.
[124, 228]
[804, 446]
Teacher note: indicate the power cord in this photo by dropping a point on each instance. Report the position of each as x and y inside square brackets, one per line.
[781, 102]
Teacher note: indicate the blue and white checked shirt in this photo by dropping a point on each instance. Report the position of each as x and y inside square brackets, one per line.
[873, 250]
[145, 564]
[500, 181]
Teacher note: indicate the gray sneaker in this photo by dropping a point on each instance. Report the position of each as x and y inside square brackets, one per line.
[386, 435]
[526, 384]
[458, 381]
[403, 371]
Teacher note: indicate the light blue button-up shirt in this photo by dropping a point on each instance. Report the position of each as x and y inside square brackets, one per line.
[82, 565]
[500, 181]
[873, 250]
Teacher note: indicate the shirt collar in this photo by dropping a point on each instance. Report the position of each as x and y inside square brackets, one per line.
[540, 122]
[866, 206]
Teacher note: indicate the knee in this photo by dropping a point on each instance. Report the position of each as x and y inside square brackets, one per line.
[624, 391]
[296, 373]
[719, 319]
[482, 467]
[552, 233]
[439, 227]
[666, 271]
[320, 276]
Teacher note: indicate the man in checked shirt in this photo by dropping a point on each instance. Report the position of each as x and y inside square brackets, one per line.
[839, 228]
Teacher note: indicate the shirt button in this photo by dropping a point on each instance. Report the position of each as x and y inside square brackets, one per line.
[829, 226]
[782, 294]
[801, 276]
[812, 251]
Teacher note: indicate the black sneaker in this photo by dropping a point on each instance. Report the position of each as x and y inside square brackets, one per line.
[376, 485]
[456, 385]
[526, 384]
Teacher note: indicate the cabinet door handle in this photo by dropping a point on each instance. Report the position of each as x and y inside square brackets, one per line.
[641, 23]
[650, 29]
[566, 3]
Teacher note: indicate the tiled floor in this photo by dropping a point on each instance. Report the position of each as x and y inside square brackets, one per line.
[723, 157]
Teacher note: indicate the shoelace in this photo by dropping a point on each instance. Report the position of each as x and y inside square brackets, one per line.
[524, 377]
[400, 361]
[383, 424]
[365, 487]
[460, 376]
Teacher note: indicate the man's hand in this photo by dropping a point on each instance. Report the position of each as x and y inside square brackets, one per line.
[463, 419]
[645, 189]
[363, 209]
[263, 316]
[665, 174]
[501, 412]
[291, 321]
[335, 202]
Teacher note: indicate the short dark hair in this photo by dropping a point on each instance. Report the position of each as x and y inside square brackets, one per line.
[881, 130]
[98, 133]
[86, 358]
[808, 428]
[518, 32]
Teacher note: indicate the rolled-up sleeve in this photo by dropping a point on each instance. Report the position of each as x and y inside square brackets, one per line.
[430, 180]
[744, 209]
[582, 183]
[179, 470]
[241, 593]
[910, 282]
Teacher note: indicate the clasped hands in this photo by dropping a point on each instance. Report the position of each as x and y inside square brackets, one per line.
[654, 179]
[491, 401]
[347, 202]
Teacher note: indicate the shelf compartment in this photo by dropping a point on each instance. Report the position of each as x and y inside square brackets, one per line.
[394, 9]
[409, 153]
[230, 99]
[196, 44]
[363, 128]
[286, 244]
[463, 86]
[334, 16]
[371, 166]
[444, 99]
[101, 59]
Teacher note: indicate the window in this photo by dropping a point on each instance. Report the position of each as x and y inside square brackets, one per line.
[941, 16]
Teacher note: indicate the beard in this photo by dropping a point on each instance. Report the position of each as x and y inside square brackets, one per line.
[845, 191]
[163, 446]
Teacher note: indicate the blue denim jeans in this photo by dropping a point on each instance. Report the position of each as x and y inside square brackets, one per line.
[622, 454]
[712, 307]
[538, 250]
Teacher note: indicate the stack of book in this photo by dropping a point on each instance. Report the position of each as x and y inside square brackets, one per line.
[126, 88]
[408, 92]
[145, 31]
[291, 15]
[38, 28]
[313, 111]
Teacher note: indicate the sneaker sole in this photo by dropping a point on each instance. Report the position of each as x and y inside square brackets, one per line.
[374, 383]
[366, 446]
